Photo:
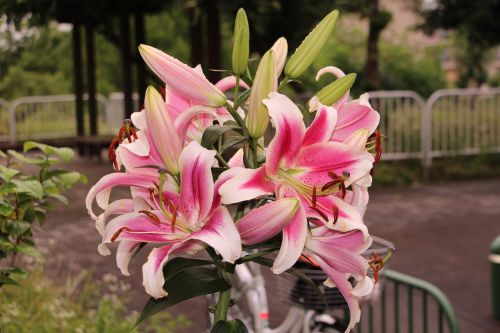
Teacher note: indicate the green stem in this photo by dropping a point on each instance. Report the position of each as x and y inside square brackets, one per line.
[236, 88]
[221, 160]
[222, 305]
[254, 153]
[283, 83]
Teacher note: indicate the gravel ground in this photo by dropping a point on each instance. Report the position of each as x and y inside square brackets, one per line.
[442, 233]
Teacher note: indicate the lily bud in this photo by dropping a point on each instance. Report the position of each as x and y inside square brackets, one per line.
[263, 83]
[310, 47]
[241, 43]
[187, 81]
[335, 90]
[162, 130]
[280, 49]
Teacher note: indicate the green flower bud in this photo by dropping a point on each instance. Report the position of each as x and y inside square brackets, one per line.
[310, 47]
[330, 94]
[263, 84]
[241, 43]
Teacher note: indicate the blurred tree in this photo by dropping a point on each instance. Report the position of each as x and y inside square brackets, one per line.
[478, 27]
[270, 20]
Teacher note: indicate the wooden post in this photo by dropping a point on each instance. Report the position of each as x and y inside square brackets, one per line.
[126, 64]
[78, 81]
[140, 38]
[195, 34]
[213, 41]
[91, 80]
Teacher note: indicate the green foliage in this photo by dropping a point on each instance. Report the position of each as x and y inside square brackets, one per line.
[87, 306]
[25, 197]
[401, 69]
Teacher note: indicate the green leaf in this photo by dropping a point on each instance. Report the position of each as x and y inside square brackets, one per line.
[5, 209]
[242, 98]
[65, 153]
[233, 326]
[13, 270]
[7, 188]
[17, 228]
[210, 136]
[180, 264]
[70, 178]
[31, 187]
[7, 173]
[231, 141]
[5, 245]
[7, 280]
[186, 284]
[28, 250]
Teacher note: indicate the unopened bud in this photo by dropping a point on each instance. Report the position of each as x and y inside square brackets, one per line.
[264, 83]
[241, 43]
[310, 47]
[335, 90]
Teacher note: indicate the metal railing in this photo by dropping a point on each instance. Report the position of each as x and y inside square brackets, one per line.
[401, 114]
[451, 122]
[408, 304]
[4, 120]
[115, 109]
[46, 117]
[461, 122]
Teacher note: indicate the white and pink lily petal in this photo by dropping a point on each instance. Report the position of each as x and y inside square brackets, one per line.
[188, 82]
[262, 223]
[339, 255]
[176, 217]
[301, 163]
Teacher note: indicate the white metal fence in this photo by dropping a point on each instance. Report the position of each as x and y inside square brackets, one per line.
[451, 121]
[401, 114]
[46, 117]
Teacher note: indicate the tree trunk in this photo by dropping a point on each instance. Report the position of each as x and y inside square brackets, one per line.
[195, 34]
[213, 34]
[126, 65]
[91, 80]
[372, 78]
[78, 82]
[140, 38]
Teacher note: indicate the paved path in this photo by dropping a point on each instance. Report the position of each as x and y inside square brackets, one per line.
[441, 231]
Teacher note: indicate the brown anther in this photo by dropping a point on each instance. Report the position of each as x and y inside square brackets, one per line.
[152, 193]
[335, 211]
[174, 218]
[314, 197]
[343, 189]
[152, 216]
[112, 153]
[323, 215]
[378, 150]
[376, 264]
[118, 232]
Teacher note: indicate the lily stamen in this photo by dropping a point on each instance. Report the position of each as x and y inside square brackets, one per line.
[151, 215]
[376, 264]
[118, 232]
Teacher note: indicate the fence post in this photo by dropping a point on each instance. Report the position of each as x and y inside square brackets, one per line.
[426, 134]
[12, 121]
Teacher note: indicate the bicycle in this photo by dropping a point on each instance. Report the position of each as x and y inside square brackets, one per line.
[308, 311]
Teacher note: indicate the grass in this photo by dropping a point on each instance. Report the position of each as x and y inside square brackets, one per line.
[409, 172]
[81, 306]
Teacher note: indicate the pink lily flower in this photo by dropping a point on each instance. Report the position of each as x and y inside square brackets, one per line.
[303, 163]
[190, 120]
[187, 81]
[339, 256]
[351, 116]
[182, 220]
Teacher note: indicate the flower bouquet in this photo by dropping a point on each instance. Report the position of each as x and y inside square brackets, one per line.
[233, 172]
